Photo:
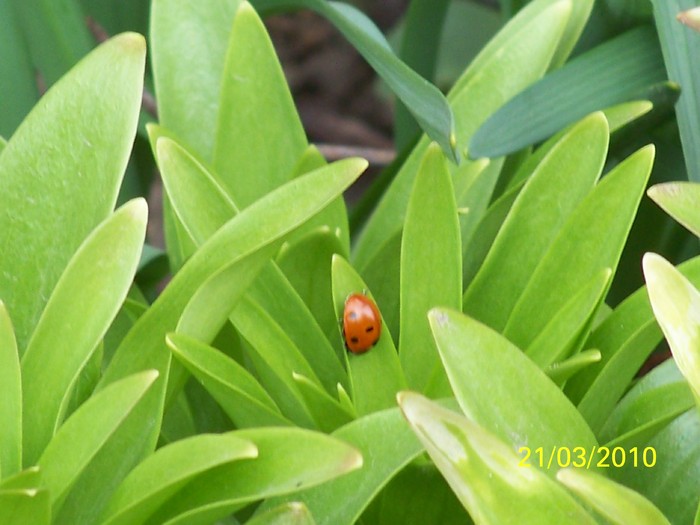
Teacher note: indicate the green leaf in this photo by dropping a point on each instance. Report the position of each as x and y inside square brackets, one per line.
[666, 467]
[612, 73]
[25, 506]
[369, 394]
[657, 399]
[484, 472]
[567, 330]
[479, 360]
[47, 217]
[681, 51]
[680, 200]
[431, 271]
[83, 304]
[256, 111]
[11, 406]
[86, 432]
[243, 399]
[188, 72]
[233, 248]
[169, 469]
[615, 502]
[590, 241]
[676, 305]
[566, 174]
[56, 34]
[289, 459]
[29, 478]
[293, 513]
[522, 53]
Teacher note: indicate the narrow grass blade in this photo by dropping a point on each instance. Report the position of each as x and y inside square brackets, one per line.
[11, 406]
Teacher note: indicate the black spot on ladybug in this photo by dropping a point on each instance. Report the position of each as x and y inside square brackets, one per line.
[354, 339]
[369, 329]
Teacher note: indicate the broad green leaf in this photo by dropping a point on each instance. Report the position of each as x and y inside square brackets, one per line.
[523, 53]
[188, 46]
[621, 114]
[47, 217]
[11, 406]
[275, 359]
[387, 445]
[169, 469]
[565, 175]
[484, 472]
[666, 468]
[289, 460]
[567, 330]
[681, 51]
[83, 304]
[563, 370]
[29, 506]
[590, 241]
[680, 200]
[658, 398]
[478, 361]
[370, 391]
[431, 271]
[676, 305]
[240, 395]
[86, 432]
[17, 83]
[612, 73]
[256, 111]
[56, 35]
[293, 513]
[615, 502]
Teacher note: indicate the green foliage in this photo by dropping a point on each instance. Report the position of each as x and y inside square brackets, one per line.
[231, 396]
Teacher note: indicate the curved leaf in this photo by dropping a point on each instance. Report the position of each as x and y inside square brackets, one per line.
[86, 432]
[293, 513]
[238, 393]
[25, 506]
[485, 370]
[484, 472]
[81, 308]
[169, 469]
[289, 459]
[45, 217]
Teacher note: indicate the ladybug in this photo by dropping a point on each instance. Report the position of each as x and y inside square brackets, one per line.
[362, 324]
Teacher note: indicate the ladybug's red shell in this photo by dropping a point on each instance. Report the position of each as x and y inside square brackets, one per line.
[362, 324]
